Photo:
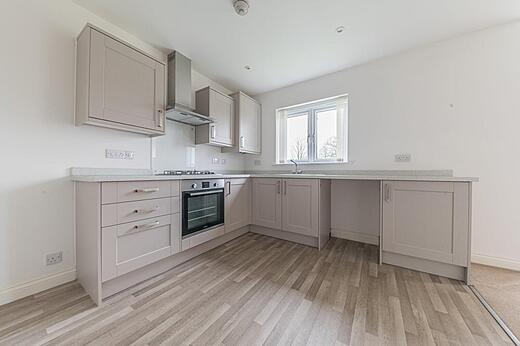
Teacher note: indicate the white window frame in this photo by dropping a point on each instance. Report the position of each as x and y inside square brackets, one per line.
[310, 109]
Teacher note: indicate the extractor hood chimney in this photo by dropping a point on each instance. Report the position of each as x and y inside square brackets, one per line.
[180, 104]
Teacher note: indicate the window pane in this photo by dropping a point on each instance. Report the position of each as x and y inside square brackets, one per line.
[326, 134]
[297, 132]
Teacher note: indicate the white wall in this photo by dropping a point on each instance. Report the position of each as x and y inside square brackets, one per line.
[454, 104]
[39, 142]
[176, 150]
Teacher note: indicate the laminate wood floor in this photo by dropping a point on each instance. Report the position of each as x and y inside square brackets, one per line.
[260, 290]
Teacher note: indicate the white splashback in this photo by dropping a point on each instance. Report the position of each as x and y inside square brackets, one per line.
[176, 150]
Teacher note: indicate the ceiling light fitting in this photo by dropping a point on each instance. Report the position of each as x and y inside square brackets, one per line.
[340, 29]
[241, 7]
[247, 67]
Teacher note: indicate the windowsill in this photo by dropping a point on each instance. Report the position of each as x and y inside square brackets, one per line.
[315, 163]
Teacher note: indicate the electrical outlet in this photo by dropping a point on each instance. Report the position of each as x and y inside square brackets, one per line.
[405, 157]
[54, 258]
[222, 161]
[215, 160]
[119, 154]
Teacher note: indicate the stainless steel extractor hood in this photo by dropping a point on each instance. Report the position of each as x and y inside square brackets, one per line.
[180, 104]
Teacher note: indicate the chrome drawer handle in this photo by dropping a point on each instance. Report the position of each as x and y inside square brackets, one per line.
[148, 190]
[146, 211]
[387, 196]
[137, 228]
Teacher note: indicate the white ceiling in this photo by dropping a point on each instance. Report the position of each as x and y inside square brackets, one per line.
[287, 41]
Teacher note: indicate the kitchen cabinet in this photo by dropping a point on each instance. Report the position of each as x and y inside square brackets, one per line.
[248, 125]
[118, 86]
[220, 108]
[140, 225]
[130, 246]
[296, 206]
[300, 206]
[267, 202]
[427, 220]
[237, 204]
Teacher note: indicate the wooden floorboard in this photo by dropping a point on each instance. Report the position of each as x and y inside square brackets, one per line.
[258, 290]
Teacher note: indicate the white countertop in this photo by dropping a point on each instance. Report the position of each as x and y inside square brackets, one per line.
[377, 175]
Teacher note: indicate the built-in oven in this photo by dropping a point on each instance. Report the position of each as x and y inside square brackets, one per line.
[202, 205]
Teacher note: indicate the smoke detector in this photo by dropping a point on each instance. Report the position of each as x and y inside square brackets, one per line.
[241, 7]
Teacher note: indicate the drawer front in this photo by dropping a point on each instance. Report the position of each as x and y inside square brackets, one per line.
[203, 237]
[133, 245]
[112, 214]
[141, 190]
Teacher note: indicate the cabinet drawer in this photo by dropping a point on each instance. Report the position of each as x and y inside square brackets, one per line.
[203, 237]
[112, 214]
[134, 191]
[133, 245]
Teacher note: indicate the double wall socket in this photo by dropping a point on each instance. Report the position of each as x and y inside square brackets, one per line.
[404, 157]
[119, 154]
[53, 258]
[217, 161]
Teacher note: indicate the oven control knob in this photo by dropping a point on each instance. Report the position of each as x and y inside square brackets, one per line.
[215, 184]
[193, 186]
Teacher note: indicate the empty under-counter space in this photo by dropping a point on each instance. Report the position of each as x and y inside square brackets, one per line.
[355, 210]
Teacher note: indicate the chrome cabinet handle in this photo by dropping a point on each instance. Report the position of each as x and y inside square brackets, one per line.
[285, 187]
[146, 211]
[138, 228]
[213, 131]
[387, 193]
[278, 183]
[147, 190]
[242, 141]
[160, 111]
[229, 188]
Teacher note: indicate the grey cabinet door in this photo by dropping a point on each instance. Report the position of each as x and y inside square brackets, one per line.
[250, 122]
[126, 86]
[267, 211]
[221, 108]
[300, 203]
[222, 111]
[237, 204]
[428, 220]
[130, 246]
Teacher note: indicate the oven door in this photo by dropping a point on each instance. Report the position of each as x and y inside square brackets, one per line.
[202, 210]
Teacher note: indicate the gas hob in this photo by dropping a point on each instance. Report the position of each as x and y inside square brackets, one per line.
[184, 172]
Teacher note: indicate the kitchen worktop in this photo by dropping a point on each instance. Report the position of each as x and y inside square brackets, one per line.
[93, 175]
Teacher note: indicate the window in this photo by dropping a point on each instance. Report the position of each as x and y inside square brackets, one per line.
[313, 132]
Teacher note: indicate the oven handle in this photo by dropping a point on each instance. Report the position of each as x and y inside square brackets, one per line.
[192, 194]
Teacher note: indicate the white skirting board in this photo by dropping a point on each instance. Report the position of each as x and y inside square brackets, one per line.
[355, 236]
[32, 287]
[496, 262]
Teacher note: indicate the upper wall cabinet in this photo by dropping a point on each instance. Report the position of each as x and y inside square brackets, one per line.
[118, 86]
[248, 128]
[220, 107]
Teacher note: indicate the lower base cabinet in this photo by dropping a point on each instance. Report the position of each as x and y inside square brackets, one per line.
[130, 246]
[237, 204]
[300, 206]
[427, 220]
[267, 202]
